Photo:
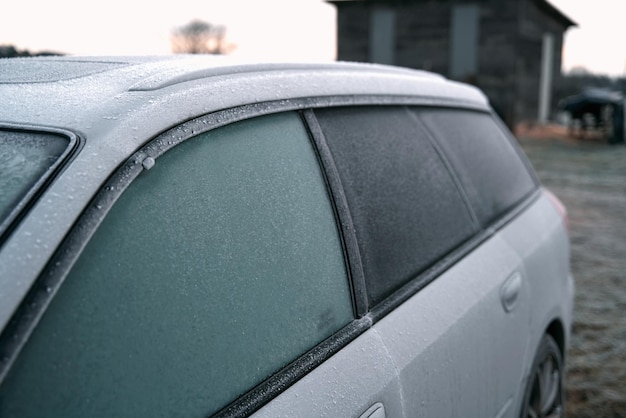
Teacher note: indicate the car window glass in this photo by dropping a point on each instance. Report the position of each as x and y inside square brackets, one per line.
[25, 157]
[213, 270]
[488, 166]
[406, 208]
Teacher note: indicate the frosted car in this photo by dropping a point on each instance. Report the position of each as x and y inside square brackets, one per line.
[188, 236]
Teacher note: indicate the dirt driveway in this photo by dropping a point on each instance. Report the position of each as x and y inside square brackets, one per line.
[589, 176]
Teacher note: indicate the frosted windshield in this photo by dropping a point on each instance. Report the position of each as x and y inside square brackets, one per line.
[25, 159]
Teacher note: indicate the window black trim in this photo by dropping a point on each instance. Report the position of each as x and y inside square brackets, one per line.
[422, 128]
[342, 214]
[26, 203]
[509, 213]
[516, 146]
[519, 206]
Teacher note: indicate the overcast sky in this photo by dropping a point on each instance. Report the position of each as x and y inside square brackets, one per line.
[287, 30]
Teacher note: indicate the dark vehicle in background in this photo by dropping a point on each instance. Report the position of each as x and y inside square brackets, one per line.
[597, 109]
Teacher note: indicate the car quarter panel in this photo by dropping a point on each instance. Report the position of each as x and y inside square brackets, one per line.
[459, 354]
[540, 238]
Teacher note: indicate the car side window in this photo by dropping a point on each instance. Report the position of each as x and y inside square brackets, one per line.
[488, 166]
[214, 269]
[406, 208]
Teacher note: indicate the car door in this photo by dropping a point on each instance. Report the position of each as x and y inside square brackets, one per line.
[459, 348]
[448, 295]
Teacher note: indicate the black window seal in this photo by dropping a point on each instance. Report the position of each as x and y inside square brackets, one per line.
[506, 132]
[8, 225]
[422, 128]
[510, 212]
[533, 195]
[342, 214]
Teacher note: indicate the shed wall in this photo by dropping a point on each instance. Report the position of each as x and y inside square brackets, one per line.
[509, 47]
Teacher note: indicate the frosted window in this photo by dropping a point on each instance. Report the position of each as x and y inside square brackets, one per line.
[216, 268]
[488, 165]
[406, 209]
[24, 159]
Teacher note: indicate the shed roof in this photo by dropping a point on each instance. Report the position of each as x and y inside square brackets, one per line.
[542, 5]
[554, 13]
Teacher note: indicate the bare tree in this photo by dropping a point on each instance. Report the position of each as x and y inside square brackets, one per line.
[199, 37]
[10, 51]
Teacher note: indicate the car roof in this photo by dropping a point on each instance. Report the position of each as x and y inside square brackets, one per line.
[92, 87]
[57, 68]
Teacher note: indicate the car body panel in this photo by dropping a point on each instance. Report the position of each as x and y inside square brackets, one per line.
[456, 332]
[343, 386]
[461, 345]
[541, 240]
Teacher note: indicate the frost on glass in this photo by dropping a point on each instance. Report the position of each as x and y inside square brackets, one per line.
[216, 268]
[406, 209]
[488, 165]
[24, 159]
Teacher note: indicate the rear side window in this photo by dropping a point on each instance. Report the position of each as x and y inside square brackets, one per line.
[487, 163]
[406, 208]
[213, 270]
[26, 158]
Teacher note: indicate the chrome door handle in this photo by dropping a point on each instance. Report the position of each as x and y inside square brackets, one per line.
[510, 291]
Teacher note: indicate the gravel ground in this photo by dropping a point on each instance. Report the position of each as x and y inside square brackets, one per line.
[589, 176]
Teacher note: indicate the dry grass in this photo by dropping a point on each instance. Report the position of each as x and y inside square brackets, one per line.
[589, 176]
[560, 132]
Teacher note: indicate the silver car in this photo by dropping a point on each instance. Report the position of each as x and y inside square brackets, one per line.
[191, 236]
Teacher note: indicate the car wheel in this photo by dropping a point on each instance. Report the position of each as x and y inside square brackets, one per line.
[544, 390]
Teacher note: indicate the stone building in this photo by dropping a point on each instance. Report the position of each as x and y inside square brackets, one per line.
[511, 49]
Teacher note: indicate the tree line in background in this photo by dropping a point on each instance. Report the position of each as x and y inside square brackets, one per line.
[195, 37]
[10, 51]
[200, 37]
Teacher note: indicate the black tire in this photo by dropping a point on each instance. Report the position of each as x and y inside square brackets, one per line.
[544, 395]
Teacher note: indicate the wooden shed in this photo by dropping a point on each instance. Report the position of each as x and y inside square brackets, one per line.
[511, 49]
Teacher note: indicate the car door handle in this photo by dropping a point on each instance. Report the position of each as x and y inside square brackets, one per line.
[510, 291]
[375, 411]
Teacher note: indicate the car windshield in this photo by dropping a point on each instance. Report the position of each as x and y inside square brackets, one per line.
[26, 161]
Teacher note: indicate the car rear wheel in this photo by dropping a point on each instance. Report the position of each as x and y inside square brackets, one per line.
[544, 390]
